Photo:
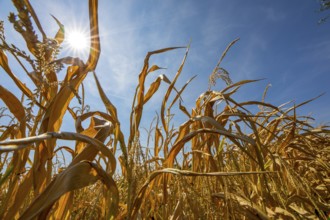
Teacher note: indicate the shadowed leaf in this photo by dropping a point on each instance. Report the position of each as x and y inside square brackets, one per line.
[75, 177]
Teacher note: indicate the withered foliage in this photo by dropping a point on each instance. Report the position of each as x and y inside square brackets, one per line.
[226, 161]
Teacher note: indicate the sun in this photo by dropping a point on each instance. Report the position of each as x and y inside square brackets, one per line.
[77, 40]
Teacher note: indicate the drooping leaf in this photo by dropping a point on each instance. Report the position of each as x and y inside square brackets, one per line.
[13, 104]
[169, 90]
[154, 87]
[139, 95]
[17, 144]
[20, 85]
[154, 68]
[113, 113]
[78, 176]
[153, 176]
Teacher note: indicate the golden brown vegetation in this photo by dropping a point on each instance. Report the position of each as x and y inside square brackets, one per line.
[225, 162]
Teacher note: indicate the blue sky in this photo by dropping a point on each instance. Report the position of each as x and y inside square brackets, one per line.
[280, 41]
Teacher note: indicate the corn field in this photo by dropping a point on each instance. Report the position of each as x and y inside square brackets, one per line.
[226, 161]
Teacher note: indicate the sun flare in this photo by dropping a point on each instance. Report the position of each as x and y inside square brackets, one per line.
[77, 40]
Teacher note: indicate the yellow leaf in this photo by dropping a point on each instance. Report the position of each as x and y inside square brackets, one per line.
[139, 95]
[14, 105]
[78, 176]
[119, 136]
[60, 35]
[169, 90]
[95, 48]
[154, 68]
[17, 144]
[20, 85]
[153, 88]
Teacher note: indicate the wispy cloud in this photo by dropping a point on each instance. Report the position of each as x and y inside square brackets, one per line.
[272, 14]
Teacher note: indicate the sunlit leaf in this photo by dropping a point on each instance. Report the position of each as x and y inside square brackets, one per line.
[59, 37]
[14, 105]
[20, 85]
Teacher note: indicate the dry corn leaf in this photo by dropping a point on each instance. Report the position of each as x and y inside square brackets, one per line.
[154, 87]
[119, 136]
[255, 212]
[20, 85]
[15, 107]
[238, 84]
[55, 112]
[158, 137]
[15, 199]
[24, 26]
[60, 35]
[64, 205]
[303, 103]
[75, 177]
[153, 176]
[51, 90]
[178, 95]
[184, 110]
[90, 152]
[169, 90]
[154, 68]
[258, 103]
[6, 133]
[140, 92]
[180, 143]
[35, 18]
[91, 131]
[108, 104]
[226, 50]
[95, 47]
[4, 177]
[87, 115]
[17, 144]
